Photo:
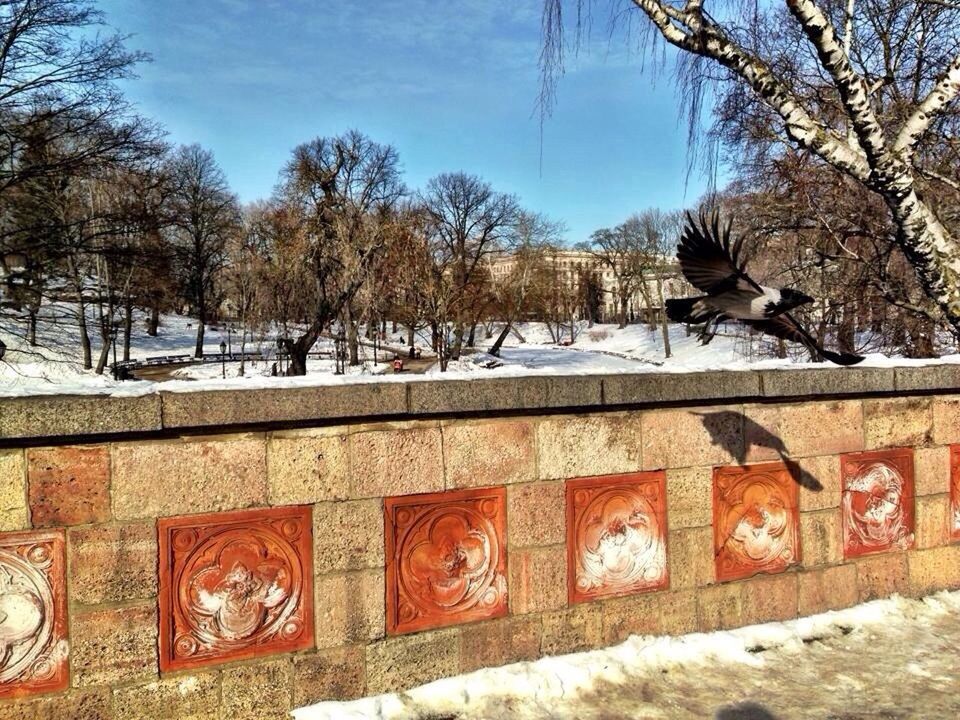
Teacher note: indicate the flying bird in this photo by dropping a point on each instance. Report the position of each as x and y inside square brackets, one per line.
[711, 263]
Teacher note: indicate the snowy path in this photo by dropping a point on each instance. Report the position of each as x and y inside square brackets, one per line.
[889, 659]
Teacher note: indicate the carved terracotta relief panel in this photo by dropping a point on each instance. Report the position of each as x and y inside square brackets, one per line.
[616, 535]
[878, 501]
[33, 613]
[756, 526]
[446, 558]
[234, 585]
[955, 492]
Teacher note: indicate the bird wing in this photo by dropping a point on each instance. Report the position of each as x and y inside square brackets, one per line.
[784, 326]
[709, 260]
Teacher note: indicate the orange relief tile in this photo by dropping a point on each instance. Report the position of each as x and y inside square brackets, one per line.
[234, 585]
[33, 613]
[756, 527]
[446, 558]
[616, 535]
[955, 492]
[878, 501]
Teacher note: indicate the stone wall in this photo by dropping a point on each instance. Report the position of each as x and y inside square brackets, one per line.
[241, 574]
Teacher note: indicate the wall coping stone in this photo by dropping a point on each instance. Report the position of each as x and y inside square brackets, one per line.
[35, 418]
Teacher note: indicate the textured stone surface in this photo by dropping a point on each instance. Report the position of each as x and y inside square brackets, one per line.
[91, 704]
[499, 642]
[934, 569]
[826, 381]
[396, 462]
[880, 576]
[946, 419]
[629, 389]
[404, 662]
[538, 579]
[830, 588]
[933, 521]
[572, 630]
[689, 497]
[821, 538]
[892, 422]
[348, 535]
[349, 608]
[336, 674]
[812, 428]
[580, 446]
[719, 607]
[308, 468]
[485, 394]
[690, 557]
[820, 486]
[43, 416]
[536, 514]
[673, 613]
[13, 491]
[113, 646]
[489, 453]
[769, 599]
[163, 478]
[711, 436]
[931, 470]
[257, 692]
[69, 485]
[112, 563]
[184, 697]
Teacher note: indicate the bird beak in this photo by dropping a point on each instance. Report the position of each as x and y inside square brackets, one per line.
[804, 299]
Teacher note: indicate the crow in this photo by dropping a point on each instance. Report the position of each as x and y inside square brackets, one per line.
[712, 264]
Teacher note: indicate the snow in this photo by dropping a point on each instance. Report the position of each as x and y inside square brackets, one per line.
[887, 637]
[53, 367]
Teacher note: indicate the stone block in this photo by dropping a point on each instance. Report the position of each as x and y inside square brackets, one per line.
[50, 416]
[69, 485]
[538, 579]
[880, 576]
[684, 438]
[157, 479]
[719, 607]
[114, 646]
[478, 454]
[934, 569]
[946, 419]
[397, 462]
[830, 588]
[821, 428]
[927, 377]
[499, 642]
[820, 482]
[488, 394]
[536, 514]
[91, 704]
[931, 470]
[588, 445]
[821, 538]
[641, 388]
[690, 558]
[184, 697]
[572, 630]
[257, 692]
[13, 491]
[407, 661]
[813, 381]
[892, 422]
[689, 497]
[336, 674]
[113, 563]
[303, 469]
[769, 599]
[349, 608]
[671, 613]
[933, 521]
[348, 535]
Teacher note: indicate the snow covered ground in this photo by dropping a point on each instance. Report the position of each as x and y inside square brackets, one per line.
[891, 659]
[54, 367]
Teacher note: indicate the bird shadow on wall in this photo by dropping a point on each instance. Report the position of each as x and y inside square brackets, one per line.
[744, 711]
[719, 425]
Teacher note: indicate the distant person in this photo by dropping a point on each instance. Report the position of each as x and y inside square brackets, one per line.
[397, 364]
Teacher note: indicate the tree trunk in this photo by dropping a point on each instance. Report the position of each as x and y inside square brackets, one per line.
[472, 337]
[153, 324]
[495, 350]
[664, 322]
[84, 334]
[32, 327]
[297, 349]
[353, 343]
[201, 329]
[457, 341]
[623, 313]
[410, 339]
[127, 327]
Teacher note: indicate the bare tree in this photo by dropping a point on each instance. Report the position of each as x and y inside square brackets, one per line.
[624, 252]
[203, 214]
[470, 221]
[868, 88]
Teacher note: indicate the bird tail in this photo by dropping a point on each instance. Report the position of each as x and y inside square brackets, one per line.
[692, 311]
[842, 358]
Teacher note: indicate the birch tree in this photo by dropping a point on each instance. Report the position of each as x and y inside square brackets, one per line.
[868, 88]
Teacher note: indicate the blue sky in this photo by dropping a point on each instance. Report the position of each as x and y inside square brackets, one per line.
[452, 85]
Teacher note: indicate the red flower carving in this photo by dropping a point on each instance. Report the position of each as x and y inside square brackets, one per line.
[453, 556]
[877, 503]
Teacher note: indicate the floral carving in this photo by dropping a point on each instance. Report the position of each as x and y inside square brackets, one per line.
[616, 535]
[755, 520]
[877, 507]
[234, 585]
[33, 644]
[955, 492]
[445, 559]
